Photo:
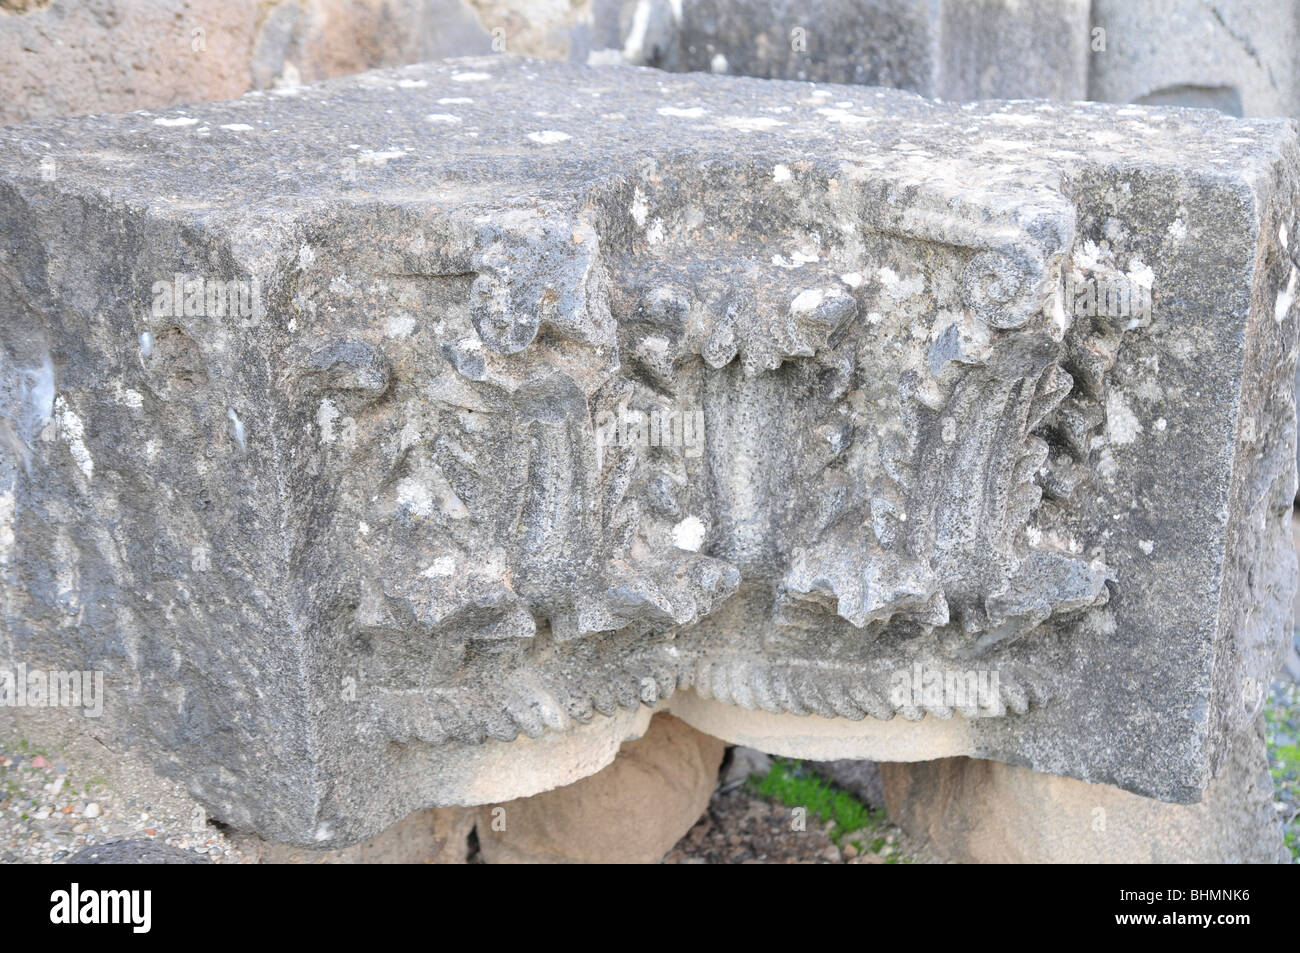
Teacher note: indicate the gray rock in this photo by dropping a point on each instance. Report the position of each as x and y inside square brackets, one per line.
[742, 764]
[952, 49]
[135, 852]
[859, 778]
[386, 531]
[1239, 58]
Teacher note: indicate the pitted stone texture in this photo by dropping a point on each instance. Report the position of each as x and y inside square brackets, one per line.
[951, 49]
[382, 543]
[631, 812]
[985, 812]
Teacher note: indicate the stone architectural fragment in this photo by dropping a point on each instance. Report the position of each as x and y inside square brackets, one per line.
[402, 440]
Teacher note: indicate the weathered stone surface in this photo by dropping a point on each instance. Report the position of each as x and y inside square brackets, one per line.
[1239, 58]
[952, 49]
[631, 812]
[336, 553]
[984, 812]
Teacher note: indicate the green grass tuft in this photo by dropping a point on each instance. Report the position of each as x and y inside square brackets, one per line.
[794, 786]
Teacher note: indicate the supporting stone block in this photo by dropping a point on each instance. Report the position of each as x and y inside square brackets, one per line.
[631, 812]
[985, 812]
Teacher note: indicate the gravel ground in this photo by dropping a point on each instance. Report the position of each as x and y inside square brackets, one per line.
[57, 799]
[742, 828]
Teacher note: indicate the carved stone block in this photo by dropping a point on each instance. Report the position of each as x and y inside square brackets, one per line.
[402, 440]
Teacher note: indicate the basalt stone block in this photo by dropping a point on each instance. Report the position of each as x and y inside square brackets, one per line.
[952, 49]
[402, 440]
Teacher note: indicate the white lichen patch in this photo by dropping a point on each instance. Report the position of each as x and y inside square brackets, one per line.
[807, 301]
[470, 77]
[175, 121]
[640, 208]
[414, 495]
[899, 289]
[689, 534]
[680, 112]
[237, 430]
[1140, 273]
[549, 137]
[326, 416]
[751, 123]
[455, 101]
[1122, 425]
[399, 326]
[1286, 296]
[781, 173]
[127, 396]
[378, 158]
[6, 526]
[842, 116]
[237, 127]
[74, 432]
[441, 567]
[796, 260]
[412, 83]
[447, 118]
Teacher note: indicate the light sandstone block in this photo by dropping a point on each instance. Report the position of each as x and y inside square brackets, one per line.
[70, 57]
[630, 812]
[985, 812]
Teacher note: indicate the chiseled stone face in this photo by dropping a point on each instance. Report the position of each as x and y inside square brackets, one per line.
[557, 392]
